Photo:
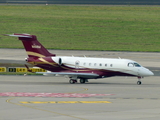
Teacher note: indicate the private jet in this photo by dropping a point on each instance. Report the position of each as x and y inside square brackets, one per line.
[78, 68]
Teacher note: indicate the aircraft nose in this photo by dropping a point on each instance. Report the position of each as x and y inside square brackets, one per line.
[150, 73]
[147, 72]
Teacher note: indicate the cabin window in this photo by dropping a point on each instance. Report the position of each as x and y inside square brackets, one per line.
[95, 64]
[111, 65]
[77, 63]
[84, 64]
[106, 65]
[89, 64]
[100, 64]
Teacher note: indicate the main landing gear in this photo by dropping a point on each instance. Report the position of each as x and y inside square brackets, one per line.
[139, 81]
[72, 81]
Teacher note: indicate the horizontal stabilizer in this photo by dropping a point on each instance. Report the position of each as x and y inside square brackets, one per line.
[19, 35]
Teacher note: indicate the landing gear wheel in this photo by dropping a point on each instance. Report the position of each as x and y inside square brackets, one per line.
[72, 81]
[139, 83]
[139, 80]
[82, 80]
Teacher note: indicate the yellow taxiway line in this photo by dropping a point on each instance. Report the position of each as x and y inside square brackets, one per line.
[60, 102]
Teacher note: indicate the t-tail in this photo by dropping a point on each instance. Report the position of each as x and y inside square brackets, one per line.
[33, 47]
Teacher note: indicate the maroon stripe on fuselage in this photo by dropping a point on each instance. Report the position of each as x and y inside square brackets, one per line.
[104, 73]
[48, 64]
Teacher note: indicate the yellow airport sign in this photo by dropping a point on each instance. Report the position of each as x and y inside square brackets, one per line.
[23, 69]
[37, 70]
[3, 69]
[11, 69]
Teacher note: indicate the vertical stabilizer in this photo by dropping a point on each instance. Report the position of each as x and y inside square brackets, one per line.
[33, 47]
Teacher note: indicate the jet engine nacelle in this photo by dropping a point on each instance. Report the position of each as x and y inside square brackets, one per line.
[58, 60]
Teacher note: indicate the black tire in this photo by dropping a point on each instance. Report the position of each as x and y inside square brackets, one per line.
[139, 83]
[82, 80]
[71, 81]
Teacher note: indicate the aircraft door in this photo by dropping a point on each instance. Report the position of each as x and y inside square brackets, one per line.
[77, 64]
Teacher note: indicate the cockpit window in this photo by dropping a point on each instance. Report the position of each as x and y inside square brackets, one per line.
[130, 65]
[137, 65]
[133, 65]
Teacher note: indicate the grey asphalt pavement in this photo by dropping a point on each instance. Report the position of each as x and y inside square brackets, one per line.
[48, 98]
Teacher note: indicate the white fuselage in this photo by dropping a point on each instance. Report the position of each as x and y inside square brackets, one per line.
[120, 65]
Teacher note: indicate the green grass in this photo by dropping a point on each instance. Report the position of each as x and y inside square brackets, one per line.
[114, 28]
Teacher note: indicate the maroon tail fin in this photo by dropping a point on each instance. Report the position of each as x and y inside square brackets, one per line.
[33, 47]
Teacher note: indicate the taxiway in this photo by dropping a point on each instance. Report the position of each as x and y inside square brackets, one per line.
[48, 98]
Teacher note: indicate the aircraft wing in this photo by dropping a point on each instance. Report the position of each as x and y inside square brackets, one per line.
[86, 75]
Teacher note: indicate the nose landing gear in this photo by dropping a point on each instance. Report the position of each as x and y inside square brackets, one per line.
[139, 81]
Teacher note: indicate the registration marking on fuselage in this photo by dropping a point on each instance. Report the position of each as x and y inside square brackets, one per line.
[60, 102]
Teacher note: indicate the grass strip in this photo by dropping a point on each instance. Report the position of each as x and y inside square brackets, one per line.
[109, 28]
